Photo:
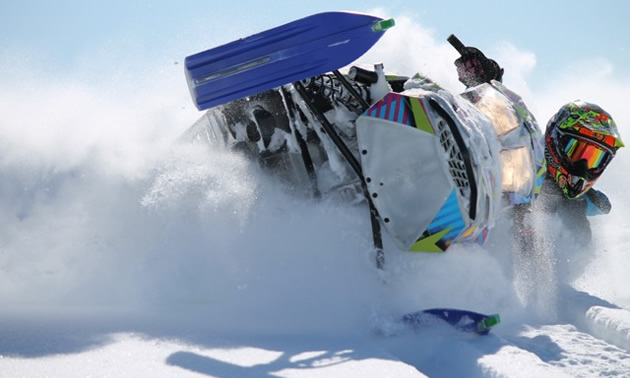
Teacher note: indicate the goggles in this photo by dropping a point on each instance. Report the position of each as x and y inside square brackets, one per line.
[584, 157]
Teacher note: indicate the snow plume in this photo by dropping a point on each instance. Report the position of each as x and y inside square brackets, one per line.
[410, 48]
[597, 81]
[99, 206]
[518, 65]
[75, 152]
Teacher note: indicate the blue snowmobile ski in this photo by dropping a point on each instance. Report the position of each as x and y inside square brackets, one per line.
[462, 320]
[295, 51]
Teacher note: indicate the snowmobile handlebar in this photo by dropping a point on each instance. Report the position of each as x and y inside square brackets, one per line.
[457, 44]
[362, 75]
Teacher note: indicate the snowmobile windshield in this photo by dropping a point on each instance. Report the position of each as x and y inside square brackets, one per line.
[495, 106]
[517, 175]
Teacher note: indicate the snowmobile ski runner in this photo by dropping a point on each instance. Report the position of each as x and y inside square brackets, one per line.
[462, 320]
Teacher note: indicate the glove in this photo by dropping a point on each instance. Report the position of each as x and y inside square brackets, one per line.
[597, 203]
[473, 68]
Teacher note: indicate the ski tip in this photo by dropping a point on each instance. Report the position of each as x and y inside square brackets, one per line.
[489, 322]
[383, 25]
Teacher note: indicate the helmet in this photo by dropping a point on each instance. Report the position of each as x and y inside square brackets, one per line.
[581, 139]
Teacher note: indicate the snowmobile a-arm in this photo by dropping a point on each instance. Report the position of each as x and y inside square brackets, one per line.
[295, 51]
[352, 161]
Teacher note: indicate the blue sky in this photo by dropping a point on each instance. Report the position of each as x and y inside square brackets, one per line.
[553, 51]
[62, 32]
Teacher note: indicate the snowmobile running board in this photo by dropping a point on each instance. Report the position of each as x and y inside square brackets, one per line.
[295, 51]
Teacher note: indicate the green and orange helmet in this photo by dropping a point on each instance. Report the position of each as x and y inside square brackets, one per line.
[581, 139]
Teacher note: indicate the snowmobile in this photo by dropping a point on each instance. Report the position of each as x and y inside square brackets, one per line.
[434, 168]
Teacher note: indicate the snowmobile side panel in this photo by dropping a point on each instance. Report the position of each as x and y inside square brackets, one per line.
[399, 158]
[447, 225]
[428, 187]
[295, 51]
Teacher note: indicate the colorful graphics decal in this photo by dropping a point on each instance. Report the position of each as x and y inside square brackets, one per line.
[447, 225]
[401, 109]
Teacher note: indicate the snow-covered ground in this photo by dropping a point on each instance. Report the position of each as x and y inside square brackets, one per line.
[206, 268]
[124, 255]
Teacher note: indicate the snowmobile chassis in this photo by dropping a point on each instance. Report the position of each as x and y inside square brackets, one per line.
[347, 154]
